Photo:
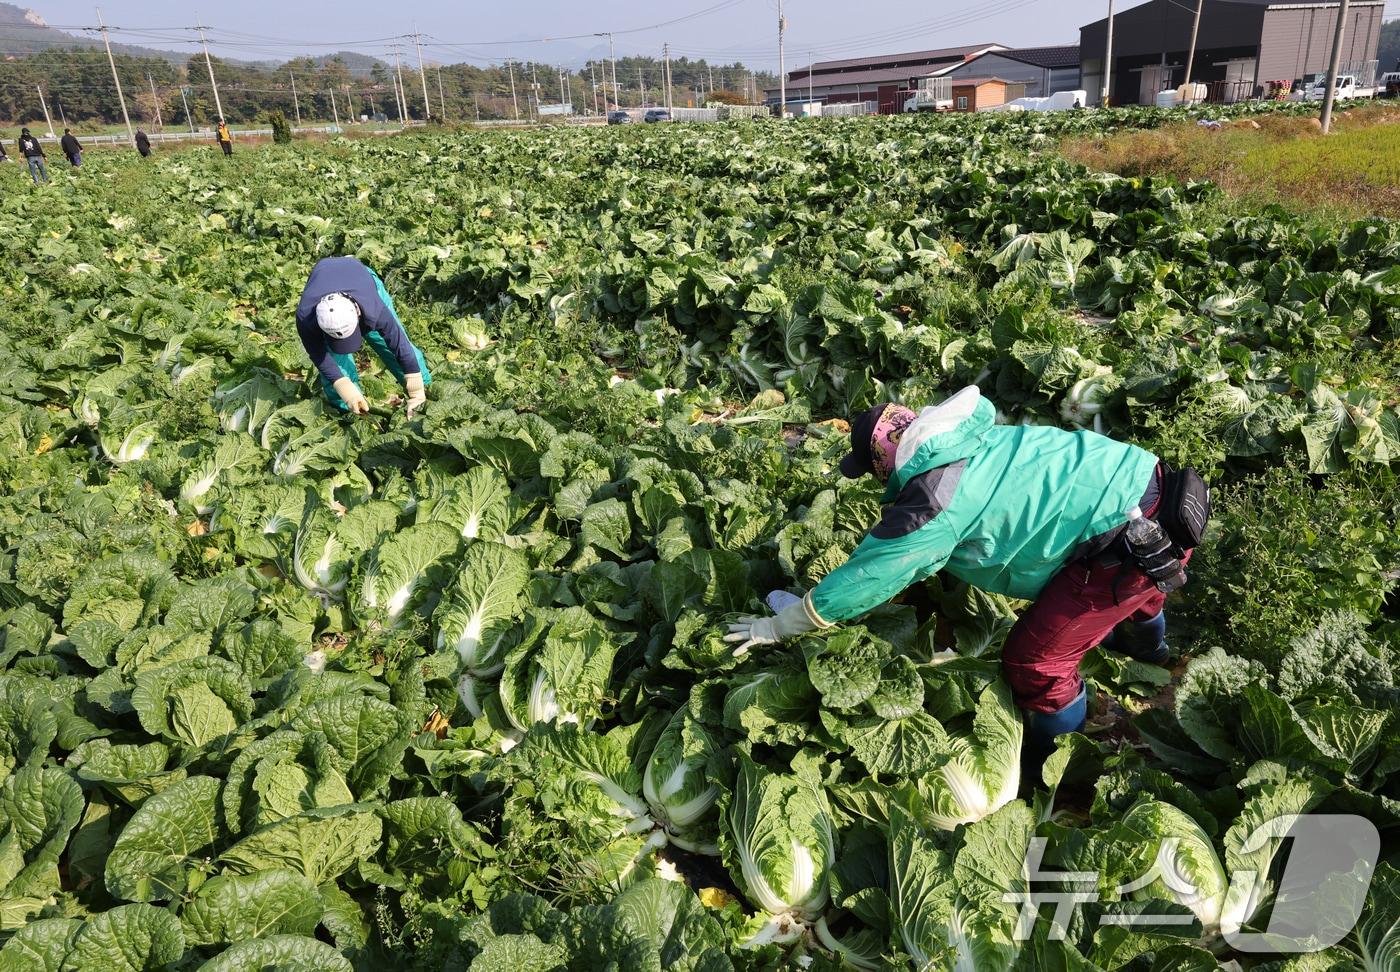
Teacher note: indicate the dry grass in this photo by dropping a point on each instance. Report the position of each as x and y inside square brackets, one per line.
[1351, 173]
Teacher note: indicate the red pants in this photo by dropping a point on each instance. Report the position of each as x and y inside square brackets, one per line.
[1076, 611]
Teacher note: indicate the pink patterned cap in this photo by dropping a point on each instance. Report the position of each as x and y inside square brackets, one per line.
[875, 436]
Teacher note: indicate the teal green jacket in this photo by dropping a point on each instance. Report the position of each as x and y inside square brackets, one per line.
[1001, 507]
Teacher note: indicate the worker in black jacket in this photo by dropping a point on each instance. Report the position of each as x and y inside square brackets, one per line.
[33, 153]
[143, 143]
[71, 147]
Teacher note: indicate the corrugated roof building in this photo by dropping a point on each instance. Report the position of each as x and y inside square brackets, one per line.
[1042, 70]
[1242, 46]
[879, 79]
[888, 79]
[916, 59]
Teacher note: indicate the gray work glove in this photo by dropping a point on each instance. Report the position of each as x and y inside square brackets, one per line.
[792, 621]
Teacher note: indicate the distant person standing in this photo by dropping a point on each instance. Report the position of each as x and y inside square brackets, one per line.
[33, 153]
[72, 148]
[4, 156]
[143, 143]
[225, 139]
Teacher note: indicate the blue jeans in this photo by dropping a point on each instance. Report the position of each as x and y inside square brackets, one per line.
[76, 158]
[37, 168]
[346, 362]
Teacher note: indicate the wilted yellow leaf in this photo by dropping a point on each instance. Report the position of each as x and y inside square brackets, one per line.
[45, 444]
[437, 724]
[716, 898]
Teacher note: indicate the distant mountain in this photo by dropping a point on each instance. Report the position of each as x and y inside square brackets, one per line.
[356, 63]
[25, 32]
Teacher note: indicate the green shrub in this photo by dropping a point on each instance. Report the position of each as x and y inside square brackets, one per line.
[281, 130]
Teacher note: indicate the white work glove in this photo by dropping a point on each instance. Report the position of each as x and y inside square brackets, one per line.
[351, 395]
[793, 620]
[413, 384]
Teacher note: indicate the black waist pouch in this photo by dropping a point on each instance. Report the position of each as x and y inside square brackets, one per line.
[1184, 509]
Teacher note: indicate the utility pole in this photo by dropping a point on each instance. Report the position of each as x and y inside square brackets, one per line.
[666, 56]
[535, 89]
[593, 82]
[189, 119]
[515, 105]
[782, 72]
[1191, 54]
[442, 98]
[120, 97]
[218, 105]
[809, 80]
[641, 85]
[403, 95]
[422, 76]
[1107, 62]
[296, 102]
[612, 56]
[349, 107]
[711, 71]
[562, 100]
[334, 112]
[42, 104]
[160, 126]
[1333, 66]
[61, 119]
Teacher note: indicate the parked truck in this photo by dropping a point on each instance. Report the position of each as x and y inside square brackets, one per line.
[1389, 86]
[1347, 87]
[931, 94]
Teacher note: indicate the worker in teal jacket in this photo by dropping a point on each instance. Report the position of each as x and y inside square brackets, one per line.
[343, 306]
[1009, 509]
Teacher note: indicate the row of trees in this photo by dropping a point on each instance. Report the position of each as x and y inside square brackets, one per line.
[77, 85]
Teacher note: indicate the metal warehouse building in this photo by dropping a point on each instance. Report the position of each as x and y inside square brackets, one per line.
[887, 80]
[1243, 46]
[1042, 70]
[878, 79]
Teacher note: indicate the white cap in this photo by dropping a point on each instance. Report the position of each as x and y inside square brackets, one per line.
[338, 316]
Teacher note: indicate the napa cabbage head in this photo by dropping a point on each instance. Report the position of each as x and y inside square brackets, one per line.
[560, 670]
[779, 840]
[1184, 864]
[404, 572]
[676, 782]
[477, 503]
[131, 446]
[474, 616]
[983, 772]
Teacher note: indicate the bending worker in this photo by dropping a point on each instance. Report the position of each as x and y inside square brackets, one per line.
[1094, 532]
[344, 305]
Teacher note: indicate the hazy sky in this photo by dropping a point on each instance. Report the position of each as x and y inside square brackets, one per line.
[719, 30]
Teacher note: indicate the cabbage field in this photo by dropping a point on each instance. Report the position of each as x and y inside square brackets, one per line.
[282, 689]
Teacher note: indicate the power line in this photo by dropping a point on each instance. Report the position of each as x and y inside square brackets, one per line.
[855, 42]
[714, 8]
[234, 38]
